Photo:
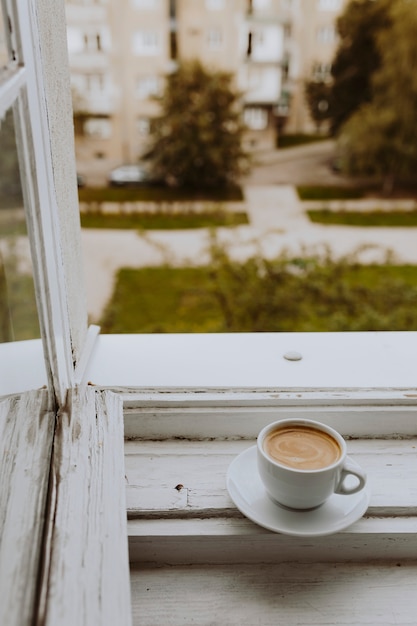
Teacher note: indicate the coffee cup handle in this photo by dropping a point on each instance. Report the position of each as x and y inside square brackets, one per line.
[348, 470]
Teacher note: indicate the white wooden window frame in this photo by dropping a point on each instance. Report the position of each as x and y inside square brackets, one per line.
[189, 387]
[49, 193]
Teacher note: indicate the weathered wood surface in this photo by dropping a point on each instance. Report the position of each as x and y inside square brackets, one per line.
[154, 469]
[86, 580]
[236, 415]
[199, 523]
[226, 540]
[317, 594]
[26, 433]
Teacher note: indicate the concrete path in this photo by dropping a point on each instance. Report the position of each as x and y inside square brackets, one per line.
[277, 223]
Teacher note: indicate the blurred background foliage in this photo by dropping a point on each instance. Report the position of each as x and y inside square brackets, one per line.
[308, 292]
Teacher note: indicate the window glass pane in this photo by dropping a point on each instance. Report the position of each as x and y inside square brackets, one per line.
[18, 313]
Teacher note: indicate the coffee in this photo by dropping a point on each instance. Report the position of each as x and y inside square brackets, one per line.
[302, 447]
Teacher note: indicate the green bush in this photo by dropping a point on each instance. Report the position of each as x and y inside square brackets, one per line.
[298, 139]
[309, 293]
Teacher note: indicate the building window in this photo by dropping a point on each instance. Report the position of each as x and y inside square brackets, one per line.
[75, 40]
[215, 38]
[146, 5]
[285, 68]
[326, 34]
[173, 45]
[143, 125]
[256, 42]
[330, 5]
[322, 72]
[260, 5]
[255, 118]
[146, 43]
[215, 5]
[95, 83]
[79, 41]
[96, 42]
[265, 43]
[98, 128]
[148, 87]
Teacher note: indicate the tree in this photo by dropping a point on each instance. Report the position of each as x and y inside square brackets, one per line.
[318, 96]
[197, 140]
[357, 57]
[381, 137]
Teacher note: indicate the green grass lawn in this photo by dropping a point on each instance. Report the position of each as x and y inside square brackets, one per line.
[332, 298]
[157, 194]
[356, 191]
[331, 192]
[162, 300]
[163, 220]
[360, 218]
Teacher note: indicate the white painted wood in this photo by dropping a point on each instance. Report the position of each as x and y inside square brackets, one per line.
[242, 416]
[40, 199]
[154, 469]
[168, 523]
[85, 355]
[120, 362]
[60, 141]
[226, 540]
[367, 360]
[137, 397]
[26, 432]
[11, 81]
[321, 594]
[86, 580]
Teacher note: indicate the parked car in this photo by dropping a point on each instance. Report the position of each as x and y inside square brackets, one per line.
[132, 175]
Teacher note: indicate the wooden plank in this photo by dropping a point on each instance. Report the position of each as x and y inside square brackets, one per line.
[242, 416]
[255, 361]
[154, 469]
[199, 523]
[86, 580]
[229, 540]
[320, 594]
[26, 433]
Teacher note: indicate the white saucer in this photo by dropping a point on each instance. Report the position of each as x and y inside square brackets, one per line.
[248, 493]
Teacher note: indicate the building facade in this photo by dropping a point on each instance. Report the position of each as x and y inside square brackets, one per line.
[120, 52]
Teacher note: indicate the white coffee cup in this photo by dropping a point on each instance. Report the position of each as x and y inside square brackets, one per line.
[302, 463]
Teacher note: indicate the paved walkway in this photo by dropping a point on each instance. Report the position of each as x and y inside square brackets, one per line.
[277, 223]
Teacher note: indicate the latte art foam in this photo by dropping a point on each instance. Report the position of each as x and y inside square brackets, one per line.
[302, 447]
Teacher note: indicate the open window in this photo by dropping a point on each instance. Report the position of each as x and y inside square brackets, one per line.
[190, 403]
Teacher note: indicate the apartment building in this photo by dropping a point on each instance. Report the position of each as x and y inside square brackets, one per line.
[120, 52]
[313, 45]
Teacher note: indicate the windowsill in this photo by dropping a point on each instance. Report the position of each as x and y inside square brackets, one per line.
[377, 360]
[22, 366]
[356, 361]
